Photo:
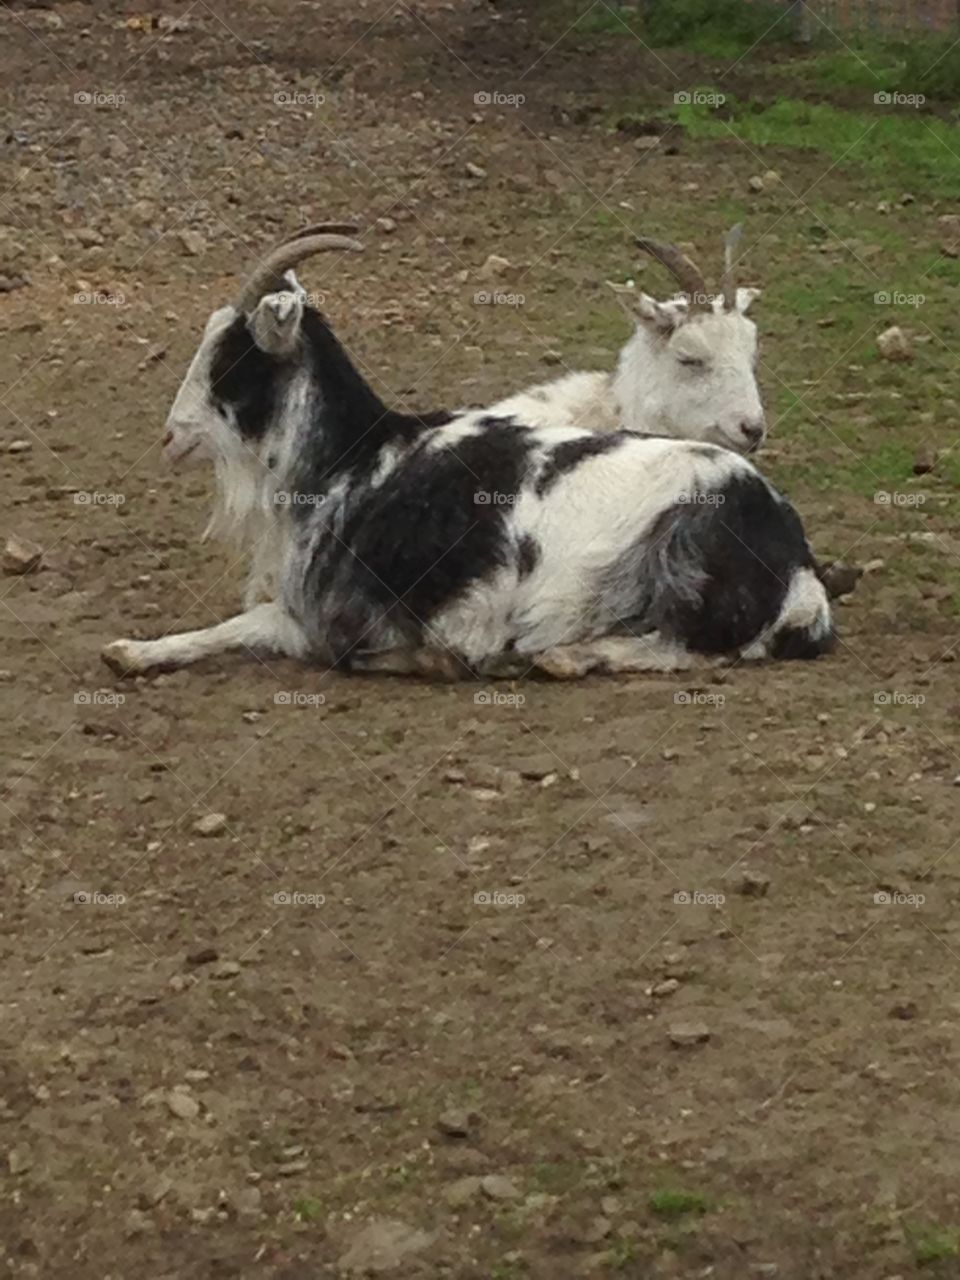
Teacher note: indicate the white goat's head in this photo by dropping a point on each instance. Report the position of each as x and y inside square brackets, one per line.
[690, 369]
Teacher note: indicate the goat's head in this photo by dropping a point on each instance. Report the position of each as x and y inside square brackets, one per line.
[246, 365]
[691, 368]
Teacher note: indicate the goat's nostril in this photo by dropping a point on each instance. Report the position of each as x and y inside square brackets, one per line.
[753, 431]
[167, 438]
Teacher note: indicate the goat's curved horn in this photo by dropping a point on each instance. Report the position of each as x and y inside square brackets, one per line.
[685, 272]
[269, 275]
[730, 242]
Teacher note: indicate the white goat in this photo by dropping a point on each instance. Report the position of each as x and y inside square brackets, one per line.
[475, 542]
[689, 370]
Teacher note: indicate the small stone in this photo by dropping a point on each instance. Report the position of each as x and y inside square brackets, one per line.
[211, 824]
[202, 955]
[497, 1187]
[684, 1034]
[192, 243]
[19, 446]
[248, 1202]
[292, 1167]
[21, 556]
[182, 1104]
[495, 267]
[755, 184]
[226, 969]
[9, 283]
[19, 1160]
[383, 1245]
[461, 1192]
[475, 171]
[906, 1012]
[386, 225]
[924, 461]
[893, 344]
[771, 179]
[753, 885]
[154, 1190]
[136, 1223]
[89, 237]
[454, 1124]
[598, 1230]
[665, 988]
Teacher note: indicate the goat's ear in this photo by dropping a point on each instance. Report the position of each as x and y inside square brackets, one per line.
[276, 320]
[642, 309]
[746, 298]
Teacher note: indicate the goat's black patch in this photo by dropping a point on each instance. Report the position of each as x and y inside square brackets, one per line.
[797, 642]
[528, 555]
[413, 546]
[713, 574]
[246, 379]
[564, 457]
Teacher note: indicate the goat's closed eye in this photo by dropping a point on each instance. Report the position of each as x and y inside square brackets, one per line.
[692, 362]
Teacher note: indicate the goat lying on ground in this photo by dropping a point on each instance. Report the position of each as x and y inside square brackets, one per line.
[689, 370]
[474, 541]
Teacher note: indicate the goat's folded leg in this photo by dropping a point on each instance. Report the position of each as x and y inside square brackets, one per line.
[267, 628]
[431, 663]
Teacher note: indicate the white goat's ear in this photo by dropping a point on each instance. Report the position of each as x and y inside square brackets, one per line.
[642, 309]
[746, 298]
[275, 323]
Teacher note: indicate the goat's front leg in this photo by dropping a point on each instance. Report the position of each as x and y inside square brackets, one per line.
[267, 628]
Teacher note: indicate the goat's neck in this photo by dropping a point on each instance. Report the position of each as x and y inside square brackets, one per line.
[631, 381]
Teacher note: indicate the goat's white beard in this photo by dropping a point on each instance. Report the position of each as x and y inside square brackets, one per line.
[245, 517]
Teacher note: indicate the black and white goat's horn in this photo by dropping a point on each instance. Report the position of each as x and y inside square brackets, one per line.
[686, 273]
[730, 242]
[268, 276]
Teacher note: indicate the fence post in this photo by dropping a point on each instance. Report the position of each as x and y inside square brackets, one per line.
[804, 22]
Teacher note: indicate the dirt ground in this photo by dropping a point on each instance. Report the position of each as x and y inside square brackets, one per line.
[677, 1034]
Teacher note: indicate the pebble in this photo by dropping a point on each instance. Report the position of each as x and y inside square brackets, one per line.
[665, 988]
[182, 1104]
[20, 555]
[753, 885]
[226, 969]
[474, 170]
[755, 183]
[461, 1192]
[893, 344]
[203, 955]
[684, 1034]
[495, 1186]
[454, 1124]
[192, 243]
[211, 824]
[924, 461]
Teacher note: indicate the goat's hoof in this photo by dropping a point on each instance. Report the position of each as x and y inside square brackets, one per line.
[122, 657]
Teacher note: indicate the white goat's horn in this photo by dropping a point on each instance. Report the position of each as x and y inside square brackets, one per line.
[730, 242]
[685, 272]
[268, 276]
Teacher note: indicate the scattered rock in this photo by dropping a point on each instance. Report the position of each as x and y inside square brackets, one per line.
[495, 1186]
[755, 184]
[462, 1191]
[226, 969]
[202, 955]
[182, 1104]
[248, 1202]
[684, 1034]
[20, 555]
[211, 824]
[19, 446]
[893, 344]
[192, 243]
[924, 461]
[665, 988]
[454, 1123]
[753, 885]
[292, 1167]
[386, 225]
[598, 1230]
[475, 171]
[89, 237]
[9, 283]
[383, 1245]
[950, 234]
[136, 1223]
[154, 1190]
[19, 1160]
[495, 268]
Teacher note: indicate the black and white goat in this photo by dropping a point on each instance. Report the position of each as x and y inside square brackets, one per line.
[472, 542]
[688, 370]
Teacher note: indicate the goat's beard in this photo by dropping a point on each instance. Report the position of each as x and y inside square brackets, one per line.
[246, 518]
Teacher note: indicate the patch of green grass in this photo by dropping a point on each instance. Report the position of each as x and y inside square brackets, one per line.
[307, 1210]
[673, 1203]
[889, 141]
[716, 27]
[620, 1254]
[934, 1244]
